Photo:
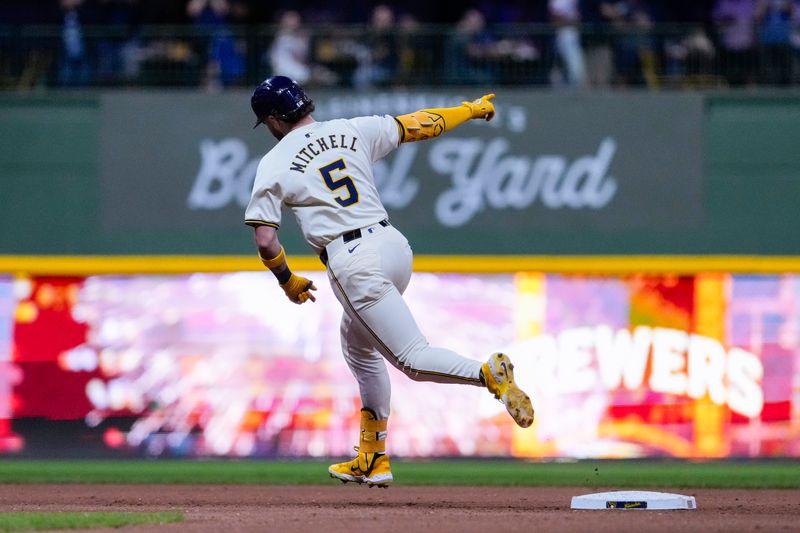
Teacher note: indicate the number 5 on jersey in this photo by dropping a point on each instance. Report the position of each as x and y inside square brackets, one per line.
[335, 184]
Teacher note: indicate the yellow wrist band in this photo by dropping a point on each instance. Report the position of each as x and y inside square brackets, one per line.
[275, 261]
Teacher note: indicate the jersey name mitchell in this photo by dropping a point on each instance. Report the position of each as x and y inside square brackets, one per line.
[328, 182]
[313, 149]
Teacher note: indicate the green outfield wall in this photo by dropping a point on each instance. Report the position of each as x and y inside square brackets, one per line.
[169, 173]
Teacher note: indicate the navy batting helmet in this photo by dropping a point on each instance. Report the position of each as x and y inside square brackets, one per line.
[281, 97]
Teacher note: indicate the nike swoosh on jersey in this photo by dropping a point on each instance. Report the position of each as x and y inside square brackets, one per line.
[350, 250]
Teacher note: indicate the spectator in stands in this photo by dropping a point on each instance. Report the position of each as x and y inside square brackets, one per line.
[74, 69]
[475, 56]
[24, 63]
[735, 20]
[598, 17]
[565, 15]
[225, 59]
[689, 58]
[289, 53]
[118, 55]
[416, 59]
[378, 62]
[775, 19]
[467, 51]
[634, 58]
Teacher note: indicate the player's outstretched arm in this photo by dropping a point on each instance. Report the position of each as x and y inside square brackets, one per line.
[297, 288]
[429, 123]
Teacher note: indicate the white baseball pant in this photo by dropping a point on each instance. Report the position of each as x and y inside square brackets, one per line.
[368, 276]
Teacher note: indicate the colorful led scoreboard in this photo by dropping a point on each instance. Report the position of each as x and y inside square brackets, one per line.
[223, 365]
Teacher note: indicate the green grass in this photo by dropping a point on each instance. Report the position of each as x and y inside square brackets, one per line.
[632, 474]
[29, 521]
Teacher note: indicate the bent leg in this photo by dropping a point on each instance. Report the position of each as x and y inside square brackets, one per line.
[395, 334]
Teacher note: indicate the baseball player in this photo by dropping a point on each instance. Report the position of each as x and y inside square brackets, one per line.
[323, 172]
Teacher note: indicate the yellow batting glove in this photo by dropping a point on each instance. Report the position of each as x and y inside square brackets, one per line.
[298, 289]
[482, 107]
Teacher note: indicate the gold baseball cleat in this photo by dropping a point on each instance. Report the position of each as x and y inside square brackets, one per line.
[371, 465]
[498, 374]
[373, 469]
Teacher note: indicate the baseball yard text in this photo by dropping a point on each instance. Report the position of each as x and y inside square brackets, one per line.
[482, 175]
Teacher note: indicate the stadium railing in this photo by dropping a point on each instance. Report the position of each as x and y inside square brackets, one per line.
[665, 56]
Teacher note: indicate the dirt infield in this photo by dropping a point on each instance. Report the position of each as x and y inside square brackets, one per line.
[338, 508]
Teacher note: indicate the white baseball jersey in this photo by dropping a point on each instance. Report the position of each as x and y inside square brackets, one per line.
[323, 173]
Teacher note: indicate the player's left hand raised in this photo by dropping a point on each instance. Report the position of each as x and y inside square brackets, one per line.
[298, 289]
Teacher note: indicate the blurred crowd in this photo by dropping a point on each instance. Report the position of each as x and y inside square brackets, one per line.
[565, 43]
